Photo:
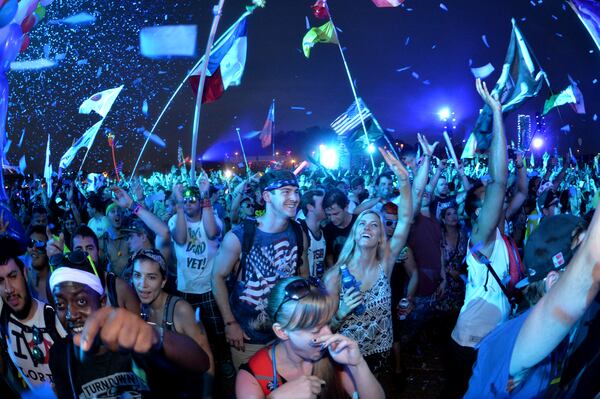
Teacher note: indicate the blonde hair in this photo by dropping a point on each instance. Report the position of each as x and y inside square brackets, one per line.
[349, 247]
[315, 309]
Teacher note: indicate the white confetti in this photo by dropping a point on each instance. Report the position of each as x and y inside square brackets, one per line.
[484, 38]
[403, 69]
[415, 75]
[483, 71]
[407, 41]
[32, 65]
[595, 117]
[443, 7]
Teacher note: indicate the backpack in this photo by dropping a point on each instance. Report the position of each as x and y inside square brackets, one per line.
[249, 231]
[261, 367]
[12, 375]
[168, 315]
[515, 268]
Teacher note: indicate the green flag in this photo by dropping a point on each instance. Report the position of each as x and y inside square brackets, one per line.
[322, 34]
[564, 97]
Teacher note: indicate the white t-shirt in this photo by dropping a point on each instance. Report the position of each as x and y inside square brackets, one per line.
[316, 253]
[21, 343]
[195, 257]
[483, 309]
[98, 225]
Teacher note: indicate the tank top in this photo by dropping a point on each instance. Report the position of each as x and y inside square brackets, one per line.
[372, 329]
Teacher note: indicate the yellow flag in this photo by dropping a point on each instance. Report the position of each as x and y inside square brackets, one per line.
[322, 34]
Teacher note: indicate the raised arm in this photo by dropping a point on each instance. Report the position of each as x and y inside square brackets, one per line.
[179, 233]
[405, 210]
[520, 195]
[491, 210]
[423, 173]
[558, 310]
[209, 221]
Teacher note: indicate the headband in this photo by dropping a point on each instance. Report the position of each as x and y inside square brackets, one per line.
[274, 185]
[63, 274]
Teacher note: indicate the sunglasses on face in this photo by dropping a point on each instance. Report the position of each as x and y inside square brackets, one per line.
[190, 200]
[37, 244]
[390, 223]
[297, 290]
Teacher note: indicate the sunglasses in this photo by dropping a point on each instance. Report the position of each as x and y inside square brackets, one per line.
[297, 290]
[75, 258]
[190, 200]
[390, 223]
[36, 352]
[37, 244]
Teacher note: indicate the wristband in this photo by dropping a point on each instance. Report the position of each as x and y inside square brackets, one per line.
[206, 203]
[135, 207]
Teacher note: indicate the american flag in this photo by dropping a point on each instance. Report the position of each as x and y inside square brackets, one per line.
[350, 119]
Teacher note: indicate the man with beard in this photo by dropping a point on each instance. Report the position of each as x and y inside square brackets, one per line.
[37, 274]
[271, 248]
[113, 244]
[28, 327]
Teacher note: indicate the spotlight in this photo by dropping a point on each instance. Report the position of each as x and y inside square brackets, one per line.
[444, 113]
[328, 157]
[537, 143]
[227, 173]
[371, 148]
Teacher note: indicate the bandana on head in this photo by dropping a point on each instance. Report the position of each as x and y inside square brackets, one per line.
[64, 274]
[281, 183]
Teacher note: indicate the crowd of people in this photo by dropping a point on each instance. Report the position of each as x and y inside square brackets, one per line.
[271, 284]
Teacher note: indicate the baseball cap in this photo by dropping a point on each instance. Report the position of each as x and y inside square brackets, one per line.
[549, 246]
[135, 225]
[191, 191]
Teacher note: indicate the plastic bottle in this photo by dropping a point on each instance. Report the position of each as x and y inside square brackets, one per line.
[349, 281]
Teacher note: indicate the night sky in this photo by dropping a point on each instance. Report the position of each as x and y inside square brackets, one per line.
[436, 44]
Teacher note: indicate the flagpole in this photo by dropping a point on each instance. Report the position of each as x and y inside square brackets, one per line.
[237, 130]
[273, 131]
[244, 15]
[217, 11]
[88, 149]
[362, 120]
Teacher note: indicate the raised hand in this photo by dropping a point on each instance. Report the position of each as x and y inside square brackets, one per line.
[54, 246]
[123, 199]
[342, 349]
[491, 100]
[427, 148]
[394, 164]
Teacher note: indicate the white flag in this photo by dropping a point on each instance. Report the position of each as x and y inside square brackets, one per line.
[84, 141]
[470, 148]
[48, 169]
[100, 102]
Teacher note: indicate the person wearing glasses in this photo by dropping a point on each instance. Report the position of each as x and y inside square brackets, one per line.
[195, 230]
[307, 360]
[370, 257]
[28, 326]
[109, 351]
[38, 272]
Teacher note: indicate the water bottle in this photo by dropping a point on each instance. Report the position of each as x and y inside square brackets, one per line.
[349, 281]
[403, 304]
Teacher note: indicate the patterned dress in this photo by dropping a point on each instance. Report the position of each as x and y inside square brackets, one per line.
[454, 256]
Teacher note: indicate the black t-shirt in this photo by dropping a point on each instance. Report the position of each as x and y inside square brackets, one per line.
[108, 375]
[336, 237]
[439, 204]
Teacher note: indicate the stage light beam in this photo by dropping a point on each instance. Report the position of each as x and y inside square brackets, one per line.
[537, 143]
[444, 113]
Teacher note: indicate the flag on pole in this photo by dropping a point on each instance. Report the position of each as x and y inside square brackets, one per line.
[100, 102]
[564, 97]
[518, 81]
[470, 148]
[350, 119]
[266, 134]
[588, 12]
[84, 141]
[320, 34]
[48, 169]
[225, 65]
[387, 3]
[579, 105]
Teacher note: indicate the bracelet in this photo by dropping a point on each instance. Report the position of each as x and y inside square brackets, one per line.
[135, 207]
[206, 203]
